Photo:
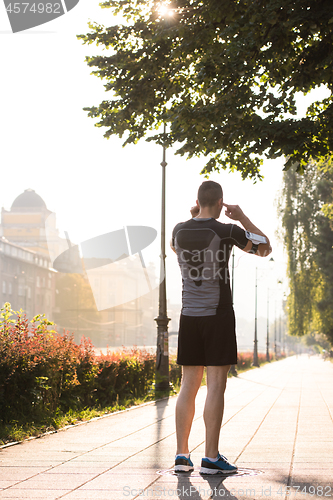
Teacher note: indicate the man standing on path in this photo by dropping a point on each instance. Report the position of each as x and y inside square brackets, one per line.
[207, 322]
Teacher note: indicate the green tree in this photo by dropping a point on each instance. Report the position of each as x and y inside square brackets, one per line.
[328, 207]
[222, 75]
[308, 236]
[323, 242]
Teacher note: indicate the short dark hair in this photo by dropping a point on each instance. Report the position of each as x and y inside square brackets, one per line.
[209, 193]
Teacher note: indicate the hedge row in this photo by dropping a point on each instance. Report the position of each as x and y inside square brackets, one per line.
[42, 371]
[245, 359]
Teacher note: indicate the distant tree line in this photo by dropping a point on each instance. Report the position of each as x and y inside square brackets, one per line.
[307, 217]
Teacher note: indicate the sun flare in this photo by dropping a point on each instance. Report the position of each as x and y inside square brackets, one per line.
[165, 10]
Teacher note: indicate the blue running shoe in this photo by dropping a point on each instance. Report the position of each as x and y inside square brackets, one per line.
[221, 466]
[183, 464]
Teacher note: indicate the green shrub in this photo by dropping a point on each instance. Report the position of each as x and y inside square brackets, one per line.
[40, 369]
[44, 373]
[175, 372]
[125, 374]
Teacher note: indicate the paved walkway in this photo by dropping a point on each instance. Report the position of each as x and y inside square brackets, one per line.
[277, 427]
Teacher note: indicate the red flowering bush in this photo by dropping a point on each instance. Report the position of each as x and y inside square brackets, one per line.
[42, 371]
[128, 373]
[39, 368]
[245, 359]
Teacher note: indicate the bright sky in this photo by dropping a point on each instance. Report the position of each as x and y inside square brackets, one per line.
[94, 185]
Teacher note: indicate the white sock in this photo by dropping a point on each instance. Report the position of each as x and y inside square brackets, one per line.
[187, 455]
[213, 459]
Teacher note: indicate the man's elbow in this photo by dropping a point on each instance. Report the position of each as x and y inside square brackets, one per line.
[264, 251]
[172, 247]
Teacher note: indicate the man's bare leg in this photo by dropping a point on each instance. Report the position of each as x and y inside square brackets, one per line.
[185, 407]
[214, 406]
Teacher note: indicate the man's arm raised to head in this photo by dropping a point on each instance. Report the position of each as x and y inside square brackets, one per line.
[234, 212]
[194, 212]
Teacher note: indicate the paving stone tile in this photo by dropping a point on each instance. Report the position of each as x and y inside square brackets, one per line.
[20, 494]
[18, 473]
[6, 483]
[54, 481]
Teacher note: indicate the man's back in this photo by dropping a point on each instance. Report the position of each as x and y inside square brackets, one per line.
[203, 248]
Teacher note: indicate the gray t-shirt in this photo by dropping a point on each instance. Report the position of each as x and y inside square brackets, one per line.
[203, 248]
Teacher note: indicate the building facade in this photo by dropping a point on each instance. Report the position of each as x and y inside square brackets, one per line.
[27, 280]
[29, 246]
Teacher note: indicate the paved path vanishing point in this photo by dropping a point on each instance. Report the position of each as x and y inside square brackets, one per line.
[277, 427]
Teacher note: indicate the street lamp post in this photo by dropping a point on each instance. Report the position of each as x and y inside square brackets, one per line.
[255, 347]
[280, 331]
[283, 328]
[162, 351]
[275, 346]
[271, 264]
[267, 336]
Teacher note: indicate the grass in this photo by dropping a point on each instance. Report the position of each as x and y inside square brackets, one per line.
[18, 431]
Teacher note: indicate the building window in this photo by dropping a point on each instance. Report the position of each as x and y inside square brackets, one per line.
[4, 288]
[49, 283]
[14, 251]
[43, 282]
[37, 281]
[29, 292]
[21, 290]
[10, 288]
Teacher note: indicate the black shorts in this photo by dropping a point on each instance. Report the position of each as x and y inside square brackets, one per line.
[208, 340]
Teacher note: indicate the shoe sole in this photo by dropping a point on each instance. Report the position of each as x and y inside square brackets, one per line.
[183, 468]
[205, 470]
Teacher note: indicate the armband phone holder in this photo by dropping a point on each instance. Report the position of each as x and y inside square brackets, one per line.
[255, 238]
